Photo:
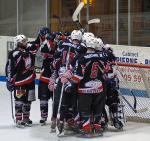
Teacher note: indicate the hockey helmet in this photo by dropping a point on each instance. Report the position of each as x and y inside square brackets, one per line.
[76, 35]
[22, 39]
[108, 48]
[99, 44]
[43, 31]
[91, 42]
[86, 35]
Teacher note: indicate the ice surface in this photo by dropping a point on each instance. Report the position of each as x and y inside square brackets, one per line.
[8, 131]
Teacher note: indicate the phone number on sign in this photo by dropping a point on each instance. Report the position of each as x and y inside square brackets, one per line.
[135, 78]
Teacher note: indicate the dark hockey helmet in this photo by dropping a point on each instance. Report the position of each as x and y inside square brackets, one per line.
[67, 33]
[44, 31]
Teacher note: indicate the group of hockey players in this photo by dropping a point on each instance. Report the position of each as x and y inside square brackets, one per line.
[77, 73]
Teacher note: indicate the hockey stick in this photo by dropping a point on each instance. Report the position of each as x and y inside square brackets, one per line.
[97, 20]
[12, 107]
[76, 20]
[61, 95]
[76, 13]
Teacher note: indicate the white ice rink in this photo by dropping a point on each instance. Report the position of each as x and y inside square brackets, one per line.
[8, 131]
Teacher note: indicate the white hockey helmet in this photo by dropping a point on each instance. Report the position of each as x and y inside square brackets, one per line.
[20, 39]
[108, 47]
[99, 44]
[76, 35]
[87, 35]
[91, 42]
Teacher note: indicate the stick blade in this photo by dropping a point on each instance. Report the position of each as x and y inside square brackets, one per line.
[77, 11]
[94, 21]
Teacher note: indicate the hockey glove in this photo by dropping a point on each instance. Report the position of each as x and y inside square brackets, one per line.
[10, 86]
[63, 79]
[68, 74]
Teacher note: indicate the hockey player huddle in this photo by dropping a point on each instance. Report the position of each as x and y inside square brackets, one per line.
[77, 73]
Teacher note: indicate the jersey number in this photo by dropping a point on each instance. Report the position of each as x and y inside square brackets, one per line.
[94, 70]
[71, 56]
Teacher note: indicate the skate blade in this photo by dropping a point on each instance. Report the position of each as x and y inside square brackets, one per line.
[119, 129]
[69, 132]
[43, 124]
[20, 126]
[28, 125]
[59, 134]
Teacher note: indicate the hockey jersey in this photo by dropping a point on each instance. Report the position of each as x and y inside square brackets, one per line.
[47, 50]
[89, 73]
[20, 67]
[67, 53]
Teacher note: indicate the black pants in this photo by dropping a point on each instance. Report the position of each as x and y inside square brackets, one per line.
[43, 92]
[68, 102]
[91, 104]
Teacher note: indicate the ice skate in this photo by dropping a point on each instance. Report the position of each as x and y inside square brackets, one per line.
[104, 126]
[118, 125]
[43, 121]
[85, 131]
[28, 122]
[97, 130]
[60, 129]
[20, 124]
[53, 126]
[68, 129]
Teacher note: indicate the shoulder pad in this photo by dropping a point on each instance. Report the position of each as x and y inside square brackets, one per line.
[83, 44]
[15, 53]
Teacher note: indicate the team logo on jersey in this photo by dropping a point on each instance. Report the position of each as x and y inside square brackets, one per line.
[27, 62]
[20, 93]
[93, 84]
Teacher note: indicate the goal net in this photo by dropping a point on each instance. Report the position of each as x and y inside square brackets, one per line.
[135, 80]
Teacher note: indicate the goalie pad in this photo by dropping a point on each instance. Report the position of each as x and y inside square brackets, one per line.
[117, 115]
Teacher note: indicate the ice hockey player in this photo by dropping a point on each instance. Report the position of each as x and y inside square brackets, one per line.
[46, 49]
[20, 79]
[116, 107]
[65, 56]
[89, 74]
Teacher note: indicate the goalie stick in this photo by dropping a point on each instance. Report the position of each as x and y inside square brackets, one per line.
[128, 103]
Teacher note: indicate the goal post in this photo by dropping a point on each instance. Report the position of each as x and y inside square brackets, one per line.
[135, 79]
